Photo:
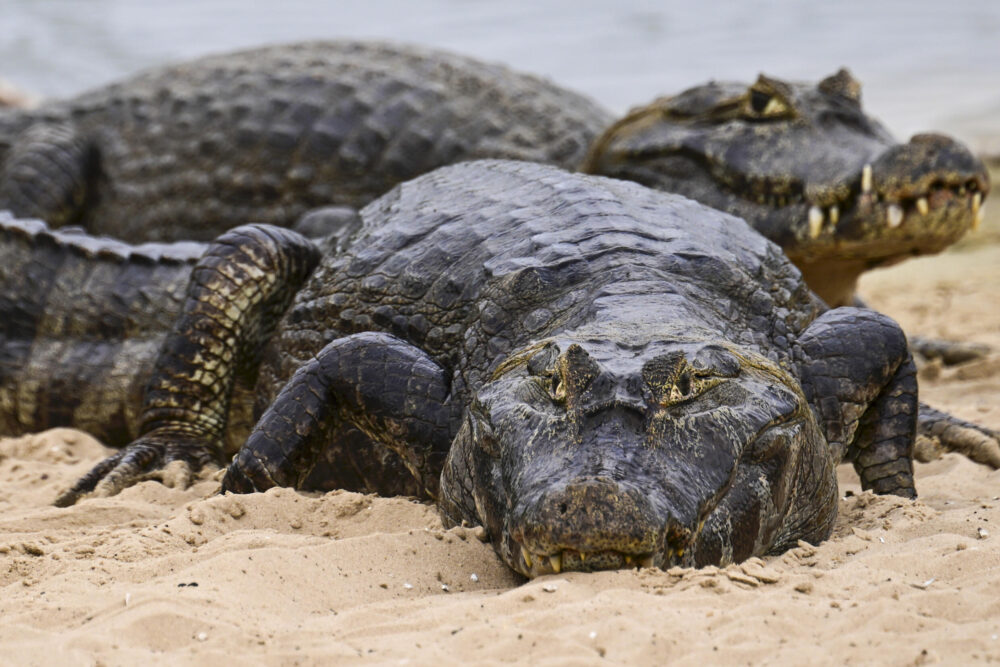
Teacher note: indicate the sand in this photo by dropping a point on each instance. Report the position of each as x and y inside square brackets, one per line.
[166, 576]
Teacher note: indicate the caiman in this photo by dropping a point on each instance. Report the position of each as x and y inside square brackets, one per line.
[190, 150]
[599, 374]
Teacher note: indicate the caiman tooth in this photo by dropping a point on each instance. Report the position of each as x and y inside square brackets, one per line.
[977, 210]
[923, 206]
[866, 179]
[834, 214]
[555, 562]
[526, 556]
[628, 559]
[977, 218]
[894, 215]
[815, 221]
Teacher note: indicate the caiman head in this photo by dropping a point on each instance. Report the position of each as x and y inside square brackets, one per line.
[806, 167]
[583, 454]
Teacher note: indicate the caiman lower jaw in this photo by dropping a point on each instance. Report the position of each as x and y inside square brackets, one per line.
[534, 565]
[893, 209]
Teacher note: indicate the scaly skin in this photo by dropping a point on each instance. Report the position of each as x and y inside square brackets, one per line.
[191, 150]
[599, 374]
[188, 151]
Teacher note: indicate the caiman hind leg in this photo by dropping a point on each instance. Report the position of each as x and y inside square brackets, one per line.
[859, 378]
[49, 173]
[240, 287]
[392, 391]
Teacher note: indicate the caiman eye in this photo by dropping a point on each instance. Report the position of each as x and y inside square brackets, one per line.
[764, 104]
[543, 368]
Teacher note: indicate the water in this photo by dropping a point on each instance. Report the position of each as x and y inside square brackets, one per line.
[924, 64]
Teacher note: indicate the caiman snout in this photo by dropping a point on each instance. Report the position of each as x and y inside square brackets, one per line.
[930, 173]
[928, 162]
[587, 524]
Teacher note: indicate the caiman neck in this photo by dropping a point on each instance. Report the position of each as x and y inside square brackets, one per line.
[833, 280]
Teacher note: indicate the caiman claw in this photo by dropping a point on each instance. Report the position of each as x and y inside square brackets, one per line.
[173, 461]
[939, 432]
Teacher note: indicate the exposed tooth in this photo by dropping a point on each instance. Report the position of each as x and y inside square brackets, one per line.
[583, 556]
[526, 556]
[628, 560]
[815, 221]
[556, 563]
[834, 214]
[894, 215]
[923, 206]
[977, 200]
[866, 178]
[977, 218]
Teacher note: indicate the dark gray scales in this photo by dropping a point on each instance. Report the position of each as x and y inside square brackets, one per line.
[565, 360]
[188, 151]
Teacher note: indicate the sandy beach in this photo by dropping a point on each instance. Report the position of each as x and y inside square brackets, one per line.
[166, 576]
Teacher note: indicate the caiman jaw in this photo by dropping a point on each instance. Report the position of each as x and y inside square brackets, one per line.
[892, 210]
[534, 565]
[676, 548]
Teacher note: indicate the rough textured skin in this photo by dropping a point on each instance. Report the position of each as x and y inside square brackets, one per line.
[79, 311]
[188, 151]
[565, 360]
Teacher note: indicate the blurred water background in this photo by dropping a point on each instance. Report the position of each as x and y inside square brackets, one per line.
[924, 64]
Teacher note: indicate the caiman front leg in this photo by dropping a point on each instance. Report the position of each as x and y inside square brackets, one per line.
[392, 391]
[860, 380]
[239, 288]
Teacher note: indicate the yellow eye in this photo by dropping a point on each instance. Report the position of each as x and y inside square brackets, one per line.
[762, 104]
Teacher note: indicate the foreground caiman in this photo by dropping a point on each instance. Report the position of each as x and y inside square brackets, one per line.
[190, 150]
[597, 373]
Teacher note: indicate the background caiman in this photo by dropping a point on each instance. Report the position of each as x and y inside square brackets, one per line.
[598, 373]
[190, 150]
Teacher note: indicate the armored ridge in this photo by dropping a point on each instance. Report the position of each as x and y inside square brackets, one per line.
[265, 135]
[188, 151]
[568, 361]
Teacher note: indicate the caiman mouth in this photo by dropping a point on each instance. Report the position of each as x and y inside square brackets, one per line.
[868, 215]
[675, 543]
[894, 207]
[826, 209]
[534, 565]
